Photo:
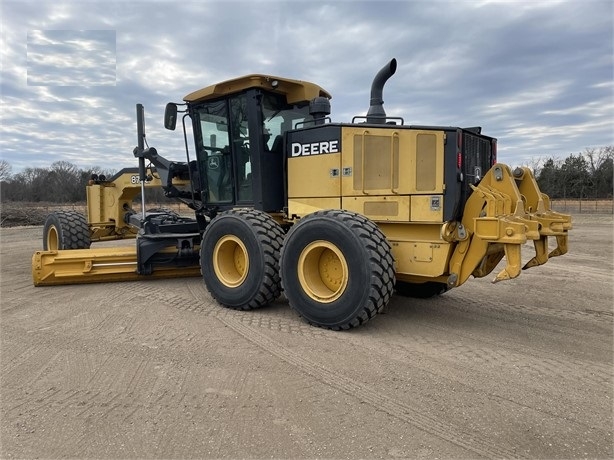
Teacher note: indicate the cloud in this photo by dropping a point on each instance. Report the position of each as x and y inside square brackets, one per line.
[71, 57]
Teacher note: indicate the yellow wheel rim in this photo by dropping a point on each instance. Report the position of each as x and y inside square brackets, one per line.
[323, 271]
[230, 261]
[52, 239]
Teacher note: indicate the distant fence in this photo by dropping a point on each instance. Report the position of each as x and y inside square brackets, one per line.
[577, 206]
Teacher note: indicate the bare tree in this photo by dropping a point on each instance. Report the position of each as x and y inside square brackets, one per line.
[5, 170]
[535, 164]
[601, 169]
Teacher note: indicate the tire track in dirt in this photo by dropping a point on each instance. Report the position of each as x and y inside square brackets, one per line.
[123, 424]
[477, 352]
[17, 285]
[465, 298]
[542, 364]
[14, 352]
[278, 316]
[77, 350]
[31, 363]
[367, 395]
[463, 344]
[446, 361]
[238, 386]
[191, 302]
[71, 409]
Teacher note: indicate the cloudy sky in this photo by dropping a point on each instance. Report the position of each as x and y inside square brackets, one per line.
[537, 74]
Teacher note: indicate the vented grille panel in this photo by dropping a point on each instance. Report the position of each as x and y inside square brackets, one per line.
[376, 162]
[476, 161]
[426, 162]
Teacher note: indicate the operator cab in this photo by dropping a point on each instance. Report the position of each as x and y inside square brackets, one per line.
[239, 128]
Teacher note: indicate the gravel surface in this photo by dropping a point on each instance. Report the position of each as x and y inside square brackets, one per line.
[520, 369]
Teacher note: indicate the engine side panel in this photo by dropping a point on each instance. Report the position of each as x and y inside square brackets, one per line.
[387, 173]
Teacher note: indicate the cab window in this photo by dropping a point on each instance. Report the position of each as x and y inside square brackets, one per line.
[279, 117]
[213, 151]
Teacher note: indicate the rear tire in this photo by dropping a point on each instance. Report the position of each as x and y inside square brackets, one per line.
[337, 269]
[66, 230]
[239, 258]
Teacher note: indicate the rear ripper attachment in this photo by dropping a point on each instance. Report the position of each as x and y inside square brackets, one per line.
[504, 211]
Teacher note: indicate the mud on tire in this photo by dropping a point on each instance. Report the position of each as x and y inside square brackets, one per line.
[66, 230]
[337, 269]
[239, 258]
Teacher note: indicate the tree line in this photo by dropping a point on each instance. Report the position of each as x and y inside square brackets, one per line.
[62, 182]
[584, 175]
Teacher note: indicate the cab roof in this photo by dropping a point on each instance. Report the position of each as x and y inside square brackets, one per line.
[294, 90]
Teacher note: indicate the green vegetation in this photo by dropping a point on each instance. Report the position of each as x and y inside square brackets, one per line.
[585, 175]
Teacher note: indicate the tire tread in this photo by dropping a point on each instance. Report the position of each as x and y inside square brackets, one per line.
[380, 259]
[270, 237]
[74, 232]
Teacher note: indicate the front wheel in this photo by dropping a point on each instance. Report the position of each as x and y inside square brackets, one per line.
[240, 258]
[66, 230]
[337, 269]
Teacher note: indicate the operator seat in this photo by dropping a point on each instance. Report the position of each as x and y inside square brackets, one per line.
[278, 145]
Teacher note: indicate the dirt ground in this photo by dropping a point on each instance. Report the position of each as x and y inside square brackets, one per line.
[520, 369]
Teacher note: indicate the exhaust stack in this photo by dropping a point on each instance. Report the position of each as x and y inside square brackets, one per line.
[376, 113]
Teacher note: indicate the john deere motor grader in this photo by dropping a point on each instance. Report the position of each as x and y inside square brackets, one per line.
[338, 215]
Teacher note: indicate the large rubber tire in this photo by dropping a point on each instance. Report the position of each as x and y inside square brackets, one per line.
[66, 230]
[239, 258]
[420, 290]
[337, 269]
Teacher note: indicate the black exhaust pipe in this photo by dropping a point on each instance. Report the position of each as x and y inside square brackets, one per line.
[376, 113]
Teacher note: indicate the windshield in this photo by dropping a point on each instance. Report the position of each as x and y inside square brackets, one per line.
[279, 117]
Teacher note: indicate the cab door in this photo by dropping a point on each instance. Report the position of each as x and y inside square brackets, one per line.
[223, 151]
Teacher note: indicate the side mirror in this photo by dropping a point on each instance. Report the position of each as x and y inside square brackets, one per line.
[170, 116]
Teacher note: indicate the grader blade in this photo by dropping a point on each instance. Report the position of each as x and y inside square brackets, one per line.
[81, 266]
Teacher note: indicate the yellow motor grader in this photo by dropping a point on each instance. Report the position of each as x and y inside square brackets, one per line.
[337, 215]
